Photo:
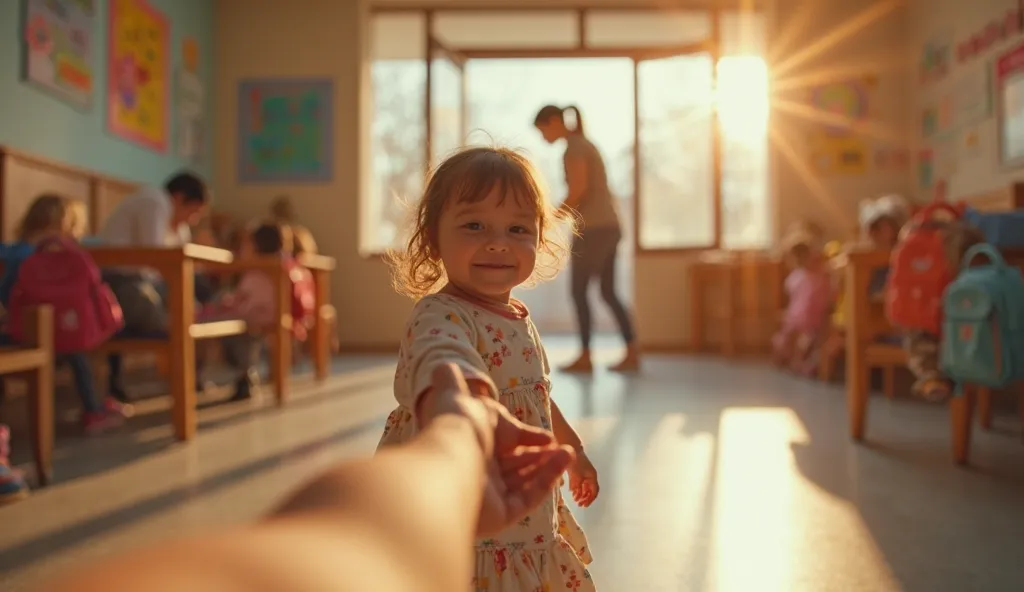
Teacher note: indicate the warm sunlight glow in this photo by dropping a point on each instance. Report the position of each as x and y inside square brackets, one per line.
[743, 98]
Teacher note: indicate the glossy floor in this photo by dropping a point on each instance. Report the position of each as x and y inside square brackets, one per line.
[716, 476]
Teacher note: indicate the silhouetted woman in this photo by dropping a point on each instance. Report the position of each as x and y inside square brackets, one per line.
[594, 250]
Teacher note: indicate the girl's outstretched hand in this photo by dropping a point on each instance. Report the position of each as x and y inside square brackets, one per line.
[523, 462]
[583, 481]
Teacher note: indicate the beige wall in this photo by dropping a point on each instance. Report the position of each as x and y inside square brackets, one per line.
[968, 174]
[328, 38]
[258, 38]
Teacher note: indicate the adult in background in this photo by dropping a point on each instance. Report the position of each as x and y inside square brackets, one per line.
[151, 217]
[594, 249]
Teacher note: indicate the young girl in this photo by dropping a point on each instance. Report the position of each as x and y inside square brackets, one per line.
[809, 289]
[51, 216]
[253, 301]
[482, 229]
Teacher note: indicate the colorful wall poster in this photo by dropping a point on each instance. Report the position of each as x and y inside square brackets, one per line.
[190, 103]
[971, 144]
[973, 95]
[925, 168]
[284, 130]
[138, 74]
[57, 52]
[836, 145]
[936, 57]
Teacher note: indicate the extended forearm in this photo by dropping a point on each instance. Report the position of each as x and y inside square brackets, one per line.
[564, 433]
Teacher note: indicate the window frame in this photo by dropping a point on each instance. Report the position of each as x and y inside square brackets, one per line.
[460, 55]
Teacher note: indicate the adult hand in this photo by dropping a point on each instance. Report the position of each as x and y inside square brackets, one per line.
[523, 463]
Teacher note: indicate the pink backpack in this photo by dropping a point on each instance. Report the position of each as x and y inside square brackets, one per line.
[62, 274]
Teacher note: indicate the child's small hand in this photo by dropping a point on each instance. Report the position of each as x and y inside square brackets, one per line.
[583, 480]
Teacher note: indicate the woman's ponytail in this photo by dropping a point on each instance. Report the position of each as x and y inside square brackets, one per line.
[578, 128]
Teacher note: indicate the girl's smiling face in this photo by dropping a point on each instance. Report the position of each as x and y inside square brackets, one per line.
[488, 247]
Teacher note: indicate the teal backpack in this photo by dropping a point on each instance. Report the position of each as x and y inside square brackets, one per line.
[983, 322]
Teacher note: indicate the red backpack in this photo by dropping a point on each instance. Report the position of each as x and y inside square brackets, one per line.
[919, 273]
[303, 298]
[62, 274]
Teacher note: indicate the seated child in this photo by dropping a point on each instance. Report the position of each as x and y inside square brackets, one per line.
[880, 222]
[51, 216]
[252, 300]
[809, 291]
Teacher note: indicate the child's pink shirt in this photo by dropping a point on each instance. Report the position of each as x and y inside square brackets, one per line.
[810, 297]
[252, 300]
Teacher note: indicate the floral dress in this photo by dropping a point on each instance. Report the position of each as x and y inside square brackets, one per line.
[546, 550]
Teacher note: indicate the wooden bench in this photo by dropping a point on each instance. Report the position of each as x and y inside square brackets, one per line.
[177, 267]
[727, 292]
[34, 362]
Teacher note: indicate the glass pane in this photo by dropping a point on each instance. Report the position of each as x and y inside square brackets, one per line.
[743, 113]
[743, 33]
[675, 144]
[503, 114]
[513, 29]
[398, 135]
[646, 28]
[446, 108]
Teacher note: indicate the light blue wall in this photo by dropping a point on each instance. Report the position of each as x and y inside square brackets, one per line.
[36, 122]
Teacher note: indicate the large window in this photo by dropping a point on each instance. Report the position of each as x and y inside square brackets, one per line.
[693, 115]
[399, 127]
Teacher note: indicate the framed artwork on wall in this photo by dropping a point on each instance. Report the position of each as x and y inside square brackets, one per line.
[139, 74]
[1009, 74]
[284, 130]
[57, 49]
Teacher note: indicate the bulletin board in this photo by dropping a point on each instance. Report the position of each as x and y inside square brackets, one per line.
[138, 74]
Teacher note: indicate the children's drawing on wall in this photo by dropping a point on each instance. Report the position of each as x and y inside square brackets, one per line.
[285, 128]
[1010, 85]
[973, 96]
[57, 48]
[936, 57]
[191, 104]
[837, 145]
[892, 159]
[925, 168]
[138, 74]
[937, 118]
[971, 144]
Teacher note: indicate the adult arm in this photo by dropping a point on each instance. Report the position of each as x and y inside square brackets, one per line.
[403, 521]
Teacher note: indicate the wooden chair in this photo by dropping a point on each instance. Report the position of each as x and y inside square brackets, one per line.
[865, 324]
[325, 324]
[35, 362]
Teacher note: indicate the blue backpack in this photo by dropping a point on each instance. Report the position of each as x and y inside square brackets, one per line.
[983, 325]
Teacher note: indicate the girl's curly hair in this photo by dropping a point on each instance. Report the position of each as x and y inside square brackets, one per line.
[469, 176]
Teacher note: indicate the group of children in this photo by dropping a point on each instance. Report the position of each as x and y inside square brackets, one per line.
[54, 227]
[814, 321]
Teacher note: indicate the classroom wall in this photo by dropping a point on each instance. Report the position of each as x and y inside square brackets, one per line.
[34, 121]
[966, 145]
[259, 38]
